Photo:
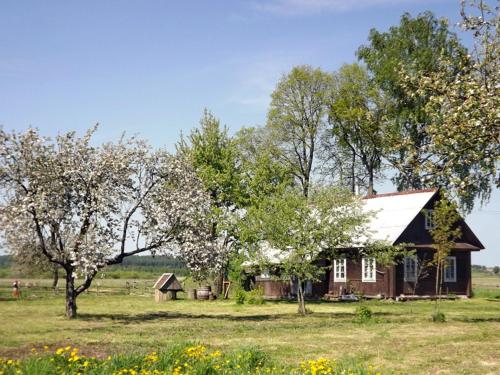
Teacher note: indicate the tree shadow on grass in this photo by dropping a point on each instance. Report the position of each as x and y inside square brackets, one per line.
[477, 319]
[164, 315]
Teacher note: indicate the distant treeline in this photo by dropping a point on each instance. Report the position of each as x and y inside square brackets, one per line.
[164, 261]
[132, 267]
[485, 269]
[5, 261]
[146, 266]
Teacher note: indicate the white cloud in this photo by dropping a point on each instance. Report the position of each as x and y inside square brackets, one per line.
[305, 7]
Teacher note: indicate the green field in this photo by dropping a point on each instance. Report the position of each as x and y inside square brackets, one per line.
[400, 339]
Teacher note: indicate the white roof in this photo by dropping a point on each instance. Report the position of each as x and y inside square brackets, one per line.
[394, 212]
[391, 215]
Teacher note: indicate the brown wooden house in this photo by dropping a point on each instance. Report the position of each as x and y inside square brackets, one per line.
[404, 217]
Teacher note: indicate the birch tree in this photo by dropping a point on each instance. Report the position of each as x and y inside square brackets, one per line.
[357, 118]
[92, 206]
[296, 119]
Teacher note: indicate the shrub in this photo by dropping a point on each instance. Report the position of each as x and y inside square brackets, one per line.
[240, 296]
[438, 317]
[363, 314]
[255, 296]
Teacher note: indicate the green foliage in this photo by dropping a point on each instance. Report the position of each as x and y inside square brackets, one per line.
[496, 270]
[446, 230]
[363, 314]
[214, 156]
[486, 293]
[252, 297]
[255, 296]
[263, 174]
[5, 261]
[479, 268]
[464, 106]
[413, 45]
[356, 115]
[445, 233]
[295, 230]
[438, 317]
[240, 296]
[296, 119]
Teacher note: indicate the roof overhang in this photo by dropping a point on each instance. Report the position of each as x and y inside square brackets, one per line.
[456, 246]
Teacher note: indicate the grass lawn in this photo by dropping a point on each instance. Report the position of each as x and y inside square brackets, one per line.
[401, 339]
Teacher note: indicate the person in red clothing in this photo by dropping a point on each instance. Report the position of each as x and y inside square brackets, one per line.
[16, 293]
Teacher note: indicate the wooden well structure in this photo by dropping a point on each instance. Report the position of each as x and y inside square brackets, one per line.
[166, 287]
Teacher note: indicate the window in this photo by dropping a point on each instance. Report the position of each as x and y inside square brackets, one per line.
[410, 265]
[265, 274]
[369, 269]
[308, 288]
[450, 270]
[429, 219]
[339, 265]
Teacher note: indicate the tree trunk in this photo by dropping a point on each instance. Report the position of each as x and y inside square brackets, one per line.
[370, 182]
[55, 276]
[219, 280]
[70, 295]
[305, 186]
[300, 298]
[438, 276]
[353, 173]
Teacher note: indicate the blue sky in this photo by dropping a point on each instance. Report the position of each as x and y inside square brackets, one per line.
[150, 67]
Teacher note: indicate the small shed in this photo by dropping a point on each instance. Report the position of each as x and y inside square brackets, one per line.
[166, 287]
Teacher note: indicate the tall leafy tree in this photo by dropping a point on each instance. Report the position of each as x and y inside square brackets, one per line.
[464, 108]
[357, 119]
[262, 173]
[214, 155]
[296, 119]
[413, 45]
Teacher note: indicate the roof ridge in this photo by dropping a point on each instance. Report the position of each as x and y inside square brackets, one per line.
[406, 192]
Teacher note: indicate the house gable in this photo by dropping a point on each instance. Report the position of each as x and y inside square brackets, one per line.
[417, 233]
[393, 212]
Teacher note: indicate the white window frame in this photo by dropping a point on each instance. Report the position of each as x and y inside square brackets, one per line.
[338, 264]
[371, 277]
[429, 219]
[407, 276]
[451, 263]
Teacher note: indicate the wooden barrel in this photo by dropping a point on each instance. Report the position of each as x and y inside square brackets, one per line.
[191, 294]
[203, 292]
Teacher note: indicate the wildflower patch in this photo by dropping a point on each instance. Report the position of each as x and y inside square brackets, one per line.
[184, 359]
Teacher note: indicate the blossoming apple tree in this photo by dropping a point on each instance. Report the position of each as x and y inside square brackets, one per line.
[85, 207]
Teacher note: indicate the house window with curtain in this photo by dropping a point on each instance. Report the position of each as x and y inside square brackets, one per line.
[339, 266]
[369, 270]
[450, 270]
[410, 267]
